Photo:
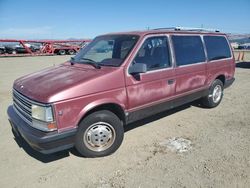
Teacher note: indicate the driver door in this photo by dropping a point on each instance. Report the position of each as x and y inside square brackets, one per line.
[153, 87]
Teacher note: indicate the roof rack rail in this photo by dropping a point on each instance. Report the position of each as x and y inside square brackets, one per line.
[188, 29]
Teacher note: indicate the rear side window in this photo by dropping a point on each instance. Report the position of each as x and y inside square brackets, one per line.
[217, 47]
[188, 50]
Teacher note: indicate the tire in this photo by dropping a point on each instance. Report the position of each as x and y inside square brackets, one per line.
[99, 134]
[2, 51]
[61, 52]
[215, 95]
[71, 52]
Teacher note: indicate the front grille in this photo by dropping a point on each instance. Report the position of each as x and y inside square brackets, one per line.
[22, 106]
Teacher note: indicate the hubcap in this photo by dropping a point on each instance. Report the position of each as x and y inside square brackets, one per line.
[99, 136]
[217, 92]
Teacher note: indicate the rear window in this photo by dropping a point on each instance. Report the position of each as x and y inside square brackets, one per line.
[217, 47]
[188, 50]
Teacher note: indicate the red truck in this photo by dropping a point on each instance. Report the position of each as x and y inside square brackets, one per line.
[117, 79]
[12, 47]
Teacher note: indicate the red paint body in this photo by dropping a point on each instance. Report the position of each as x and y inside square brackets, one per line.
[76, 89]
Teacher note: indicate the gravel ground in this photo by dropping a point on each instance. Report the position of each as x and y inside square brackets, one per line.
[216, 154]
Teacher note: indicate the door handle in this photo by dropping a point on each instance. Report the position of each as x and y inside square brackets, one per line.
[171, 81]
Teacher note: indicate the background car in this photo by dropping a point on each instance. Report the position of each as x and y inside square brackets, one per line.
[2, 50]
[244, 46]
[20, 49]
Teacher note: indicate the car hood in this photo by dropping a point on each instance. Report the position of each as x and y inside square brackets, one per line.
[68, 81]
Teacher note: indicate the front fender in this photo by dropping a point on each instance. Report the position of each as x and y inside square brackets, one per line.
[96, 104]
[69, 113]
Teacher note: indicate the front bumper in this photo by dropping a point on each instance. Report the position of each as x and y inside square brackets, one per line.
[44, 142]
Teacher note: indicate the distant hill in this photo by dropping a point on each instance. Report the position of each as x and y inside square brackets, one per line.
[239, 38]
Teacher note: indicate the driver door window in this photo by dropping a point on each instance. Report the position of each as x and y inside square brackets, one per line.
[154, 53]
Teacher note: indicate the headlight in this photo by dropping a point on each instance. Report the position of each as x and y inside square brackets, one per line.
[42, 113]
[43, 118]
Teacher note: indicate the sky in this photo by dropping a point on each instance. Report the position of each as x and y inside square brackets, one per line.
[63, 19]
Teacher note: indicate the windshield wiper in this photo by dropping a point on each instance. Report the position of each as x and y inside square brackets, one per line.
[90, 62]
[93, 64]
[86, 61]
[108, 65]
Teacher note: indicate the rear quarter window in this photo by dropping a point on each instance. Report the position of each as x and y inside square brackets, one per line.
[217, 47]
[188, 50]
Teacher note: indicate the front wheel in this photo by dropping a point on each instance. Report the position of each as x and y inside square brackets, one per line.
[99, 134]
[215, 95]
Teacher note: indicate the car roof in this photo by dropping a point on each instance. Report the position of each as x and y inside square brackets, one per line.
[167, 31]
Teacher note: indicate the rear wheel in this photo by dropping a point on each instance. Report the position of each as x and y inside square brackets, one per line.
[99, 134]
[61, 52]
[71, 52]
[215, 95]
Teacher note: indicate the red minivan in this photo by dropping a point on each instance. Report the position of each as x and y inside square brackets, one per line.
[117, 79]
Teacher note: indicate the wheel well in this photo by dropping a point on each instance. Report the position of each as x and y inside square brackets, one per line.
[221, 78]
[115, 108]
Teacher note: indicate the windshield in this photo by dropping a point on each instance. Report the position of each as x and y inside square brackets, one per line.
[109, 50]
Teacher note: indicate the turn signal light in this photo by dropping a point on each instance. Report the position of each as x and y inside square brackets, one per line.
[52, 126]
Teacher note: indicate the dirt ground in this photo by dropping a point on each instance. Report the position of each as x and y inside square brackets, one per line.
[219, 155]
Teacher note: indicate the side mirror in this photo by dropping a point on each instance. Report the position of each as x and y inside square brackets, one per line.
[138, 68]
